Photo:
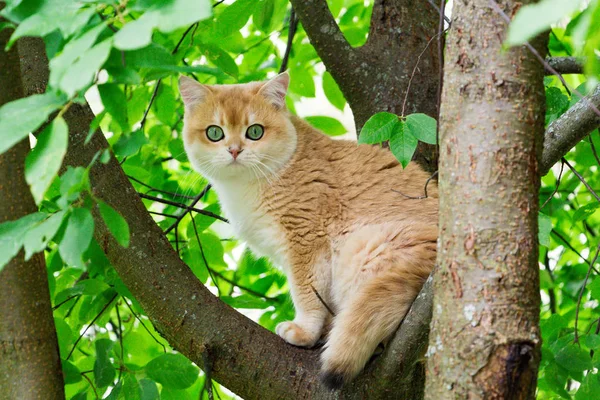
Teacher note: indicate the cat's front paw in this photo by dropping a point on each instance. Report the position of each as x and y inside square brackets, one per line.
[294, 334]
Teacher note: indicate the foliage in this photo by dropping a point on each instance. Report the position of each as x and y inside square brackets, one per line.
[128, 54]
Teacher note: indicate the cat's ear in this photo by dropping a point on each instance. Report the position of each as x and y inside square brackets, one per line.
[275, 90]
[191, 91]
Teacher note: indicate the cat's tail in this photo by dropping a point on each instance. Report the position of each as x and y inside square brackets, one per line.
[372, 316]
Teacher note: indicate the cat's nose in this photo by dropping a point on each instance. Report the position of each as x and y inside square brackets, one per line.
[234, 152]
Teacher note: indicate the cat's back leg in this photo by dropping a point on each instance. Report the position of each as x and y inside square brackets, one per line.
[378, 271]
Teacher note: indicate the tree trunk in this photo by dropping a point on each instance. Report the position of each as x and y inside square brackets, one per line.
[30, 362]
[485, 340]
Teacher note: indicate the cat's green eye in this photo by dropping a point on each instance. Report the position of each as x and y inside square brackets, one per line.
[255, 132]
[214, 133]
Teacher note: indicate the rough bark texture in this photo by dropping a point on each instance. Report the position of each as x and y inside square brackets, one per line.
[485, 341]
[30, 362]
[564, 133]
[376, 76]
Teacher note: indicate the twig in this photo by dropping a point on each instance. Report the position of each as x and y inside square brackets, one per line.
[120, 335]
[244, 288]
[142, 323]
[189, 208]
[153, 189]
[440, 9]
[570, 246]
[163, 214]
[424, 189]
[562, 166]
[415, 70]
[204, 256]
[91, 384]
[322, 301]
[290, 40]
[587, 276]
[56, 307]
[593, 148]
[581, 179]
[91, 323]
[181, 205]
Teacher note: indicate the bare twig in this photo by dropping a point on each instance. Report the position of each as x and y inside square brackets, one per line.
[153, 189]
[594, 152]
[90, 324]
[120, 336]
[204, 257]
[562, 166]
[189, 208]
[91, 384]
[573, 249]
[587, 276]
[424, 189]
[143, 325]
[56, 307]
[290, 40]
[181, 205]
[581, 179]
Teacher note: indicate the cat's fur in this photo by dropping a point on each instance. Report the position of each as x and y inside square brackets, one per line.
[324, 210]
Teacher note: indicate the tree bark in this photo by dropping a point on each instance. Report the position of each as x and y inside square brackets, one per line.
[485, 340]
[30, 362]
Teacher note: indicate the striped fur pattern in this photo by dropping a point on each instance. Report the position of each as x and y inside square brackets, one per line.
[326, 211]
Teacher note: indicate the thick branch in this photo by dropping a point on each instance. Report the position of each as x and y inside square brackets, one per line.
[325, 35]
[565, 65]
[564, 133]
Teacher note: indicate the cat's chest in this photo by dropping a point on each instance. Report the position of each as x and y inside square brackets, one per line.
[253, 223]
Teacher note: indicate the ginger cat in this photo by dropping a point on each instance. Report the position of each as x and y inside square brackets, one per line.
[323, 210]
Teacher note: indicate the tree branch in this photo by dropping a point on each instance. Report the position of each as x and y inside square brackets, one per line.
[565, 65]
[573, 126]
[325, 35]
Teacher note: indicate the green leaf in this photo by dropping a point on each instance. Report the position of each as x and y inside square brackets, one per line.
[12, 235]
[129, 145]
[115, 103]
[65, 15]
[592, 341]
[44, 161]
[545, 227]
[221, 59]
[589, 389]
[594, 288]
[302, 82]
[573, 358]
[234, 17]
[81, 74]
[71, 372]
[77, 237]
[115, 222]
[166, 16]
[38, 236]
[148, 390]
[403, 144]
[172, 371]
[20, 117]
[422, 126]
[328, 125]
[104, 371]
[536, 18]
[556, 101]
[585, 212]
[246, 301]
[333, 92]
[378, 128]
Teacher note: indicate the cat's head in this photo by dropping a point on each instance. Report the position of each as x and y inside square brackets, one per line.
[237, 132]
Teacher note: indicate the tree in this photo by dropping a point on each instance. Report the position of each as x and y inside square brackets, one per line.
[30, 365]
[129, 270]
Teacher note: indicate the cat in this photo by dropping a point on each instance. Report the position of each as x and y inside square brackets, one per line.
[326, 211]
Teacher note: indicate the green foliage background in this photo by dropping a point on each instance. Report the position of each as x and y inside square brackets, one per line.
[132, 52]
